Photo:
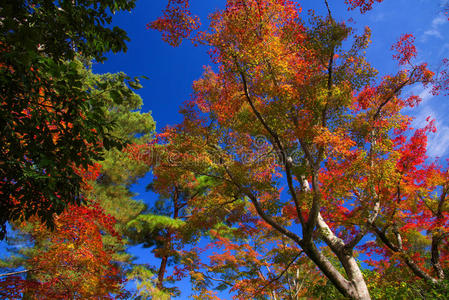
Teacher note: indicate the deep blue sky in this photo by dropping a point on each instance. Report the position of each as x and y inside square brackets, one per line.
[172, 70]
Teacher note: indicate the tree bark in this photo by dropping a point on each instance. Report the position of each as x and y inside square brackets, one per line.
[168, 245]
[353, 287]
[161, 273]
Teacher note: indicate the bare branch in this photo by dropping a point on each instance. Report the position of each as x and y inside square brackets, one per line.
[328, 9]
[257, 292]
[16, 273]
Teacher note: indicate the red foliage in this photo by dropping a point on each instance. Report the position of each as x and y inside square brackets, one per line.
[74, 262]
[176, 23]
[363, 5]
[405, 48]
[362, 170]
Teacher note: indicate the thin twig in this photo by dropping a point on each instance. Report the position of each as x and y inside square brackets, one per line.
[328, 9]
[280, 275]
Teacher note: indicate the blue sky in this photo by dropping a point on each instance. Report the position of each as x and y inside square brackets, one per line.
[172, 70]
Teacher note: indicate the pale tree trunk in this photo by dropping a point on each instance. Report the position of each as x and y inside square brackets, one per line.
[353, 287]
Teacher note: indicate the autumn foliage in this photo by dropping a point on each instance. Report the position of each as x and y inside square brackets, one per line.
[295, 128]
[72, 262]
[176, 22]
[294, 163]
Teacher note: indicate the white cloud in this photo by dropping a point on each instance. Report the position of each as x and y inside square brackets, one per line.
[438, 143]
[420, 118]
[439, 20]
[425, 95]
[433, 32]
[434, 29]
[443, 49]
[378, 17]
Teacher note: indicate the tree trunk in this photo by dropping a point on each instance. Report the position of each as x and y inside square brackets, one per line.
[353, 287]
[161, 273]
[168, 246]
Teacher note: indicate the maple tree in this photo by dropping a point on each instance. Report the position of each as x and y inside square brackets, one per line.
[337, 157]
[71, 261]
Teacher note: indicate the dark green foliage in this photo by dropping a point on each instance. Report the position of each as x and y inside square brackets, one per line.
[51, 123]
[62, 28]
[49, 129]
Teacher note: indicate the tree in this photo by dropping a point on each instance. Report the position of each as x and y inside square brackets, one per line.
[85, 254]
[292, 107]
[120, 170]
[162, 226]
[49, 125]
[70, 261]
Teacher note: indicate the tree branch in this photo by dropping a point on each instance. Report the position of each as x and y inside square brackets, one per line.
[285, 159]
[16, 273]
[261, 212]
[373, 215]
[398, 249]
[257, 292]
[397, 90]
[328, 9]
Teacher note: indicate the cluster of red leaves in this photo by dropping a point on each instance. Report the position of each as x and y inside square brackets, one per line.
[416, 206]
[176, 23]
[364, 5]
[73, 262]
[420, 219]
[413, 153]
[405, 48]
[88, 175]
